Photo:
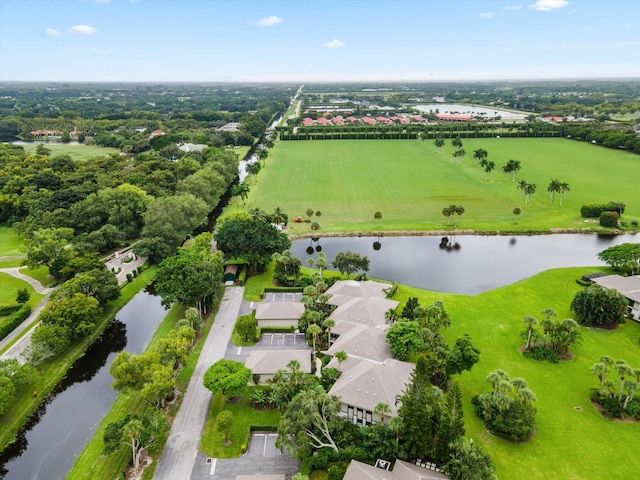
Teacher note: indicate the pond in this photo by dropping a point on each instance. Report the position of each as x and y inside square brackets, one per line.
[466, 264]
[58, 431]
[458, 109]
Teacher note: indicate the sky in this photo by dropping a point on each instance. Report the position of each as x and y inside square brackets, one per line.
[317, 40]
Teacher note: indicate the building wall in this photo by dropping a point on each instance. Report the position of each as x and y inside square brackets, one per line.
[284, 323]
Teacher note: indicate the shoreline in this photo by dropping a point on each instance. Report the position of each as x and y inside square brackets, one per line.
[426, 233]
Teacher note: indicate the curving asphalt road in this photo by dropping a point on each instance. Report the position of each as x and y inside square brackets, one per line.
[180, 451]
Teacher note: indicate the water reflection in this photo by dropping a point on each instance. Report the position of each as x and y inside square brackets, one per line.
[485, 262]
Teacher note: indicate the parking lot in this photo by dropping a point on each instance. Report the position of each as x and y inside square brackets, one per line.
[282, 297]
[262, 458]
[272, 339]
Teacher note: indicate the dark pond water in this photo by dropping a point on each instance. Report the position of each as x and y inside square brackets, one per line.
[58, 431]
[465, 264]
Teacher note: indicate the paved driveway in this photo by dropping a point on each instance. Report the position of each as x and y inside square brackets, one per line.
[282, 297]
[262, 458]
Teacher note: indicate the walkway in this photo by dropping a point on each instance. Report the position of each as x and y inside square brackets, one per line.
[16, 349]
[181, 449]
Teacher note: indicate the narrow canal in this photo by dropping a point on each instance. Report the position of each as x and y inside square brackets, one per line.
[58, 431]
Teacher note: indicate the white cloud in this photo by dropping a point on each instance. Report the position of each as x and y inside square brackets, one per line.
[83, 29]
[486, 15]
[269, 21]
[334, 44]
[626, 44]
[513, 7]
[52, 31]
[546, 5]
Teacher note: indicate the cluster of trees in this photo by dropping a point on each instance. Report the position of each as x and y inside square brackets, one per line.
[555, 339]
[153, 375]
[429, 425]
[417, 331]
[453, 211]
[191, 277]
[507, 411]
[71, 312]
[617, 395]
[599, 307]
[65, 208]
[13, 377]
[253, 240]
[349, 262]
[624, 257]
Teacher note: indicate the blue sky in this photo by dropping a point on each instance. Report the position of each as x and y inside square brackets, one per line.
[317, 40]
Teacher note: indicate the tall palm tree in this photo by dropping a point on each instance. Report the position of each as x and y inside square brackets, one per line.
[314, 330]
[623, 371]
[601, 370]
[262, 154]
[340, 357]
[329, 323]
[268, 142]
[563, 188]
[529, 190]
[277, 216]
[439, 143]
[530, 321]
[488, 166]
[522, 186]
[516, 212]
[321, 262]
[554, 186]
[480, 154]
[381, 409]
[253, 168]
[458, 154]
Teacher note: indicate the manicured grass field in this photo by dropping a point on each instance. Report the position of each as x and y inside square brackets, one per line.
[77, 152]
[9, 242]
[572, 441]
[410, 182]
[9, 287]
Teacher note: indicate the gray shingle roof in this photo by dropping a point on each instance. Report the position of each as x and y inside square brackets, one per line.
[362, 341]
[365, 384]
[344, 290]
[627, 286]
[267, 362]
[366, 311]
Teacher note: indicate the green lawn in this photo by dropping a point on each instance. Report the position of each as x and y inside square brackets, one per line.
[40, 273]
[10, 242]
[570, 443]
[410, 182]
[244, 417]
[77, 152]
[9, 287]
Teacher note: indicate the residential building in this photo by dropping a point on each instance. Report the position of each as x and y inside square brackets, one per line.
[627, 286]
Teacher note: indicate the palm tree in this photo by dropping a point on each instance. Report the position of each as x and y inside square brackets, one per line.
[241, 190]
[446, 211]
[456, 142]
[340, 356]
[329, 323]
[268, 142]
[390, 315]
[458, 154]
[522, 186]
[321, 262]
[563, 188]
[530, 321]
[623, 371]
[526, 395]
[314, 330]
[554, 186]
[516, 212]
[253, 168]
[262, 154]
[488, 166]
[257, 214]
[459, 210]
[381, 409]
[439, 143]
[601, 370]
[277, 216]
[480, 155]
[529, 190]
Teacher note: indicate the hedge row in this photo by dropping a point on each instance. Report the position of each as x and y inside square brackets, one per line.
[596, 209]
[283, 289]
[16, 318]
[6, 310]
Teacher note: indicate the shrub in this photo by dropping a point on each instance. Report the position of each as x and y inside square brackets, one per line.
[594, 210]
[129, 277]
[8, 309]
[23, 295]
[611, 405]
[15, 319]
[315, 226]
[633, 408]
[634, 223]
[609, 219]
[336, 472]
[542, 353]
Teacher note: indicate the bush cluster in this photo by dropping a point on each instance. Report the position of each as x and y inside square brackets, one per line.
[596, 209]
[15, 319]
[542, 354]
